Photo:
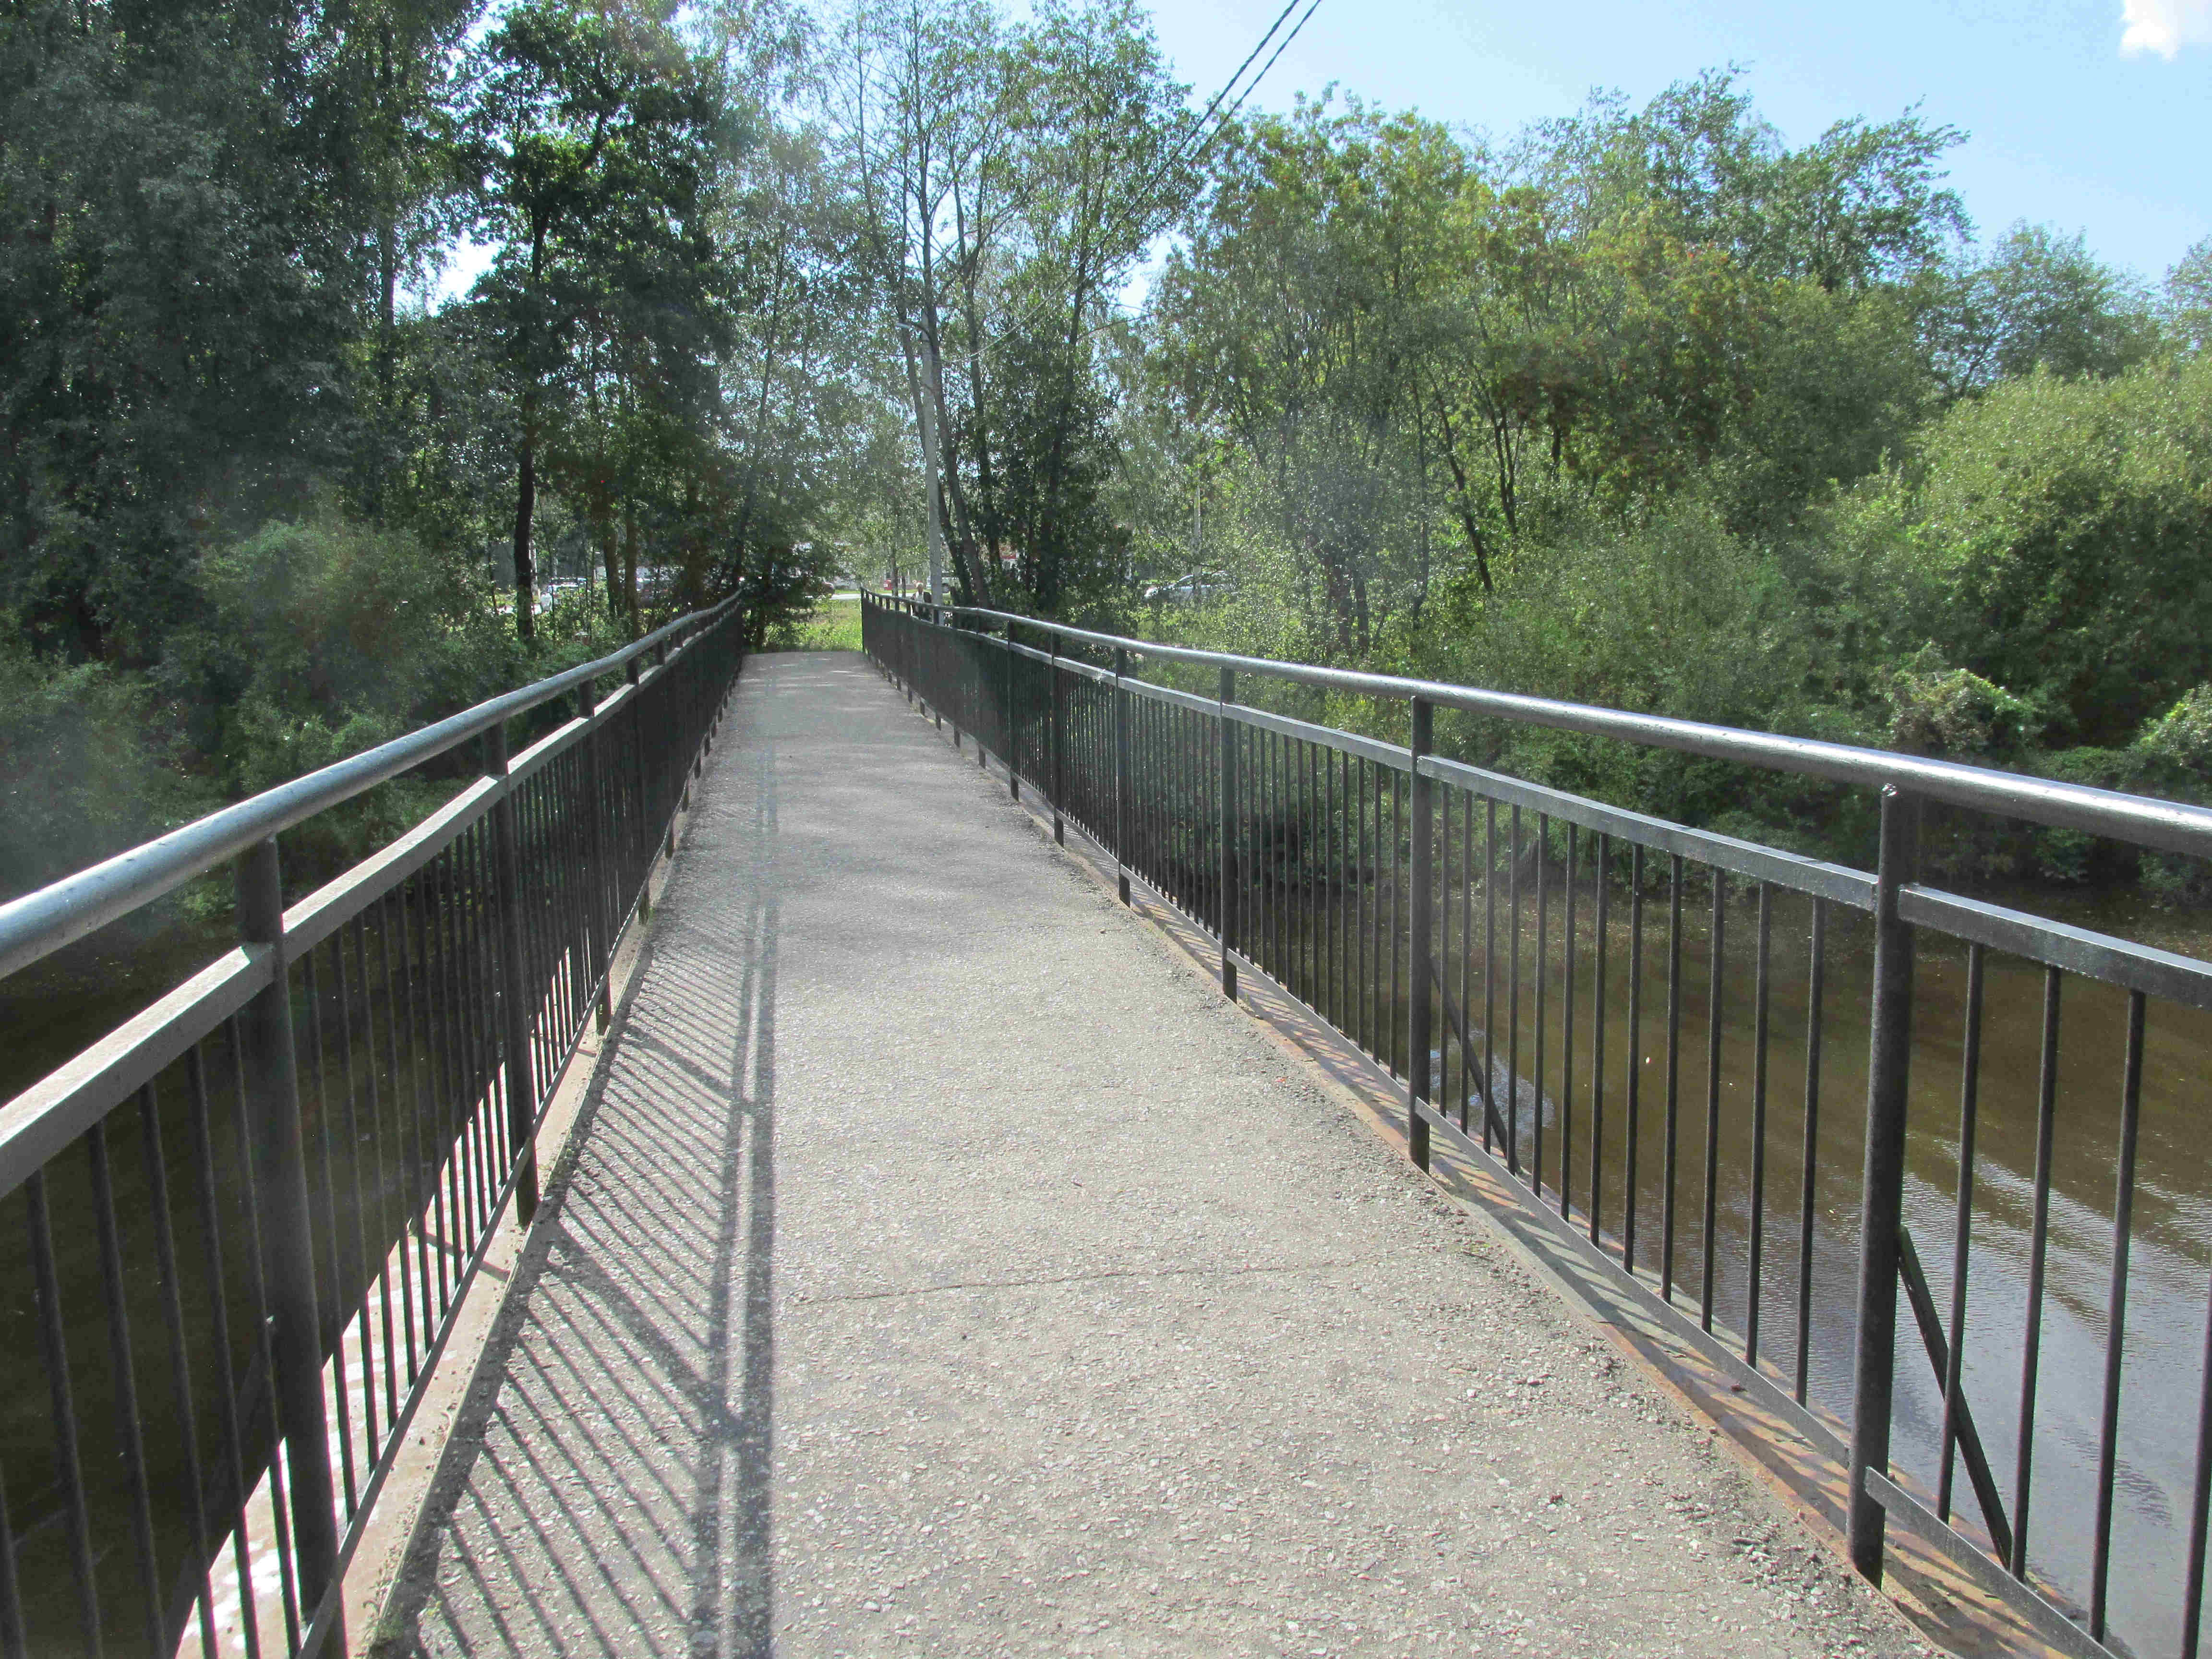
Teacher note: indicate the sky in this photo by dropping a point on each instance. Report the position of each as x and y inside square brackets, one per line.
[2086, 115]
[2092, 116]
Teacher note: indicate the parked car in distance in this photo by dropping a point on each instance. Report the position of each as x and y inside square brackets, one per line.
[1199, 587]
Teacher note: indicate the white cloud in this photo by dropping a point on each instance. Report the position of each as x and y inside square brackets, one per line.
[2164, 25]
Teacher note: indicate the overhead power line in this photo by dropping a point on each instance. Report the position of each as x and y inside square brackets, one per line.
[1157, 175]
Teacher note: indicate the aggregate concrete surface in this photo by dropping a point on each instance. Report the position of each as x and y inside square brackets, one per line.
[942, 1268]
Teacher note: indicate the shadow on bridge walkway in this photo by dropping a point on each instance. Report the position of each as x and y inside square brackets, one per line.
[939, 1267]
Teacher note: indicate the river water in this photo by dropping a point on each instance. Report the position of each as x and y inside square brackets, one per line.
[2170, 1268]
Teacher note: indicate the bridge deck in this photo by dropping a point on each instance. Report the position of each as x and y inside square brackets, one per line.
[945, 1268]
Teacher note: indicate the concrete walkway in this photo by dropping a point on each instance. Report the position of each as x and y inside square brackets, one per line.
[942, 1267]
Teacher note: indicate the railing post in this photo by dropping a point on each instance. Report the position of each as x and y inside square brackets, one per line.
[1013, 721]
[587, 706]
[1227, 866]
[1423, 791]
[288, 1260]
[1881, 1199]
[1121, 772]
[514, 1006]
[1059, 737]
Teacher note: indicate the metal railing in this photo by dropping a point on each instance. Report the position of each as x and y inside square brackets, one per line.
[1757, 1182]
[245, 1220]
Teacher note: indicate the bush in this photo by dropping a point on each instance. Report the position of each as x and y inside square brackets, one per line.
[2053, 540]
[88, 766]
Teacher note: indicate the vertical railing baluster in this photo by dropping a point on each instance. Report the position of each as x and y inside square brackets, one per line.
[1761, 1008]
[1059, 718]
[1543, 976]
[1567, 1032]
[1715, 985]
[131, 1428]
[1489, 970]
[1013, 722]
[407, 1113]
[186, 1419]
[1604, 877]
[1121, 772]
[1808, 1196]
[53, 1352]
[356, 1237]
[2116, 1316]
[1467, 949]
[224, 1351]
[348, 1485]
[14, 1642]
[1970, 1071]
[1670, 1160]
[514, 997]
[1883, 1181]
[1513, 995]
[1424, 911]
[2200, 1501]
[1632, 1104]
[1400, 920]
[601, 958]
[645, 843]
[1225, 910]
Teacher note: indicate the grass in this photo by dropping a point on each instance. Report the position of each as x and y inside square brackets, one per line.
[832, 625]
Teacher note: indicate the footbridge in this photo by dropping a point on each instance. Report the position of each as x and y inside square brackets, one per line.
[1021, 1140]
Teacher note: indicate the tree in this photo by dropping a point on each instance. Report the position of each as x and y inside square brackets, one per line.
[1007, 178]
[178, 295]
[2189, 298]
[593, 131]
[2040, 300]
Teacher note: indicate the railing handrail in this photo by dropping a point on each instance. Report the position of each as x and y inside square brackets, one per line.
[2169, 826]
[40, 923]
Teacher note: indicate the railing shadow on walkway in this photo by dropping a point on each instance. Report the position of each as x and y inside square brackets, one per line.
[630, 1379]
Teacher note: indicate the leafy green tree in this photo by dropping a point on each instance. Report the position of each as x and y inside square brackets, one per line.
[593, 130]
[178, 294]
[2189, 298]
[2040, 300]
[2050, 538]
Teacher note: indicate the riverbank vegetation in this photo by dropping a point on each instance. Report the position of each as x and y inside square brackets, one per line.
[1641, 406]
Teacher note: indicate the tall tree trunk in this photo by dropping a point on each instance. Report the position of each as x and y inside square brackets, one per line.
[965, 548]
[526, 484]
[1475, 542]
[932, 500]
[629, 563]
[603, 532]
[525, 507]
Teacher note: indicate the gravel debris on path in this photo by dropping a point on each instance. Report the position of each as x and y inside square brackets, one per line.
[943, 1268]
